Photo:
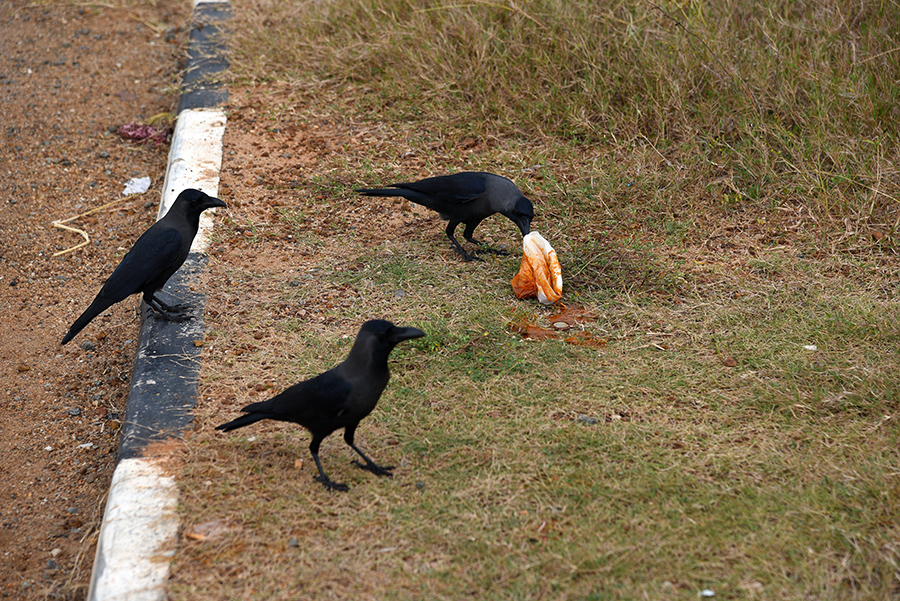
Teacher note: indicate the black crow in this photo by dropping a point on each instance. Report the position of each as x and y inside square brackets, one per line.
[156, 255]
[467, 197]
[339, 398]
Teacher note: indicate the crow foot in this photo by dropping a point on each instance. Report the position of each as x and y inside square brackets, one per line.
[330, 484]
[375, 468]
[173, 317]
[466, 256]
[179, 308]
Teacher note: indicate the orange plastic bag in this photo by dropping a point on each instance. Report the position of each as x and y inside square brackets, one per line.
[540, 274]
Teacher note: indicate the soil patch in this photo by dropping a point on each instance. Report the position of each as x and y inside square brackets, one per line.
[70, 76]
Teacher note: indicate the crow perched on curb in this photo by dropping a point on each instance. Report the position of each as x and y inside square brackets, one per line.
[468, 197]
[339, 398]
[156, 255]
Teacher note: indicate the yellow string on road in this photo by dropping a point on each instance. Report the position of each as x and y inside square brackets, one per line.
[60, 223]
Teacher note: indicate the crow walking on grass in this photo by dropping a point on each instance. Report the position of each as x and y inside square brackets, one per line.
[468, 198]
[156, 255]
[339, 398]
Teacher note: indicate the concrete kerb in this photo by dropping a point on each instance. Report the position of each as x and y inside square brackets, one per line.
[140, 526]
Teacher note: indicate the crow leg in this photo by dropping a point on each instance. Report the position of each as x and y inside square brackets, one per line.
[369, 465]
[167, 312]
[325, 480]
[451, 227]
[468, 234]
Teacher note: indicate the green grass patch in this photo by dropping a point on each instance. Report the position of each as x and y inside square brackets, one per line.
[720, 185]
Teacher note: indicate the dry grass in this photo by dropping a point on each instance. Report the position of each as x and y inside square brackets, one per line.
[765, 104]
[715, 206]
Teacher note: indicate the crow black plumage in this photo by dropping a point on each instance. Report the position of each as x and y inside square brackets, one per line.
[338, 398]
[156, 255]
[469, 198]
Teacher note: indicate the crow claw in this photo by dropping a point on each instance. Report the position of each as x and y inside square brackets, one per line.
[376, 469]
[331, 484]
[173, 317]
[468, 257]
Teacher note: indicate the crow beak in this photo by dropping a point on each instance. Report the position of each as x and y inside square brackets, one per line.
[401, 334]
[524, 224]
[211, 203]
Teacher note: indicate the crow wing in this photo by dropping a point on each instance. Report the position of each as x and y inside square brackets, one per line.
[457, 188]
[155, 252]
[321, 399]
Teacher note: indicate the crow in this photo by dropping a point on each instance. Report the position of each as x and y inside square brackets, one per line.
[156, 255]
[467, 197]
[338, 398]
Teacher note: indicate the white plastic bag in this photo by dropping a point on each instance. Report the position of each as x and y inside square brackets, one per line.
[540, 273]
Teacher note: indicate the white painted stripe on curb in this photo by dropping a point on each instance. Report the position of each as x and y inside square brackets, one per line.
[137, 541]
[195, 159]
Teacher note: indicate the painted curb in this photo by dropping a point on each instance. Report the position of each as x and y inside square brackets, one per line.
[137, 539]
[138, 535]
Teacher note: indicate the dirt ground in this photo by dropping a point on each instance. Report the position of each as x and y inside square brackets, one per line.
[69, 77]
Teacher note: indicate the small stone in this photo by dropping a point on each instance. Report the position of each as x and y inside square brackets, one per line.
[22, 368]
[561, 325]
[420, 485]
[74, 411]
[52, 565]
[55, 552]
[587, 419]
[88, 345]
[294, 542]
